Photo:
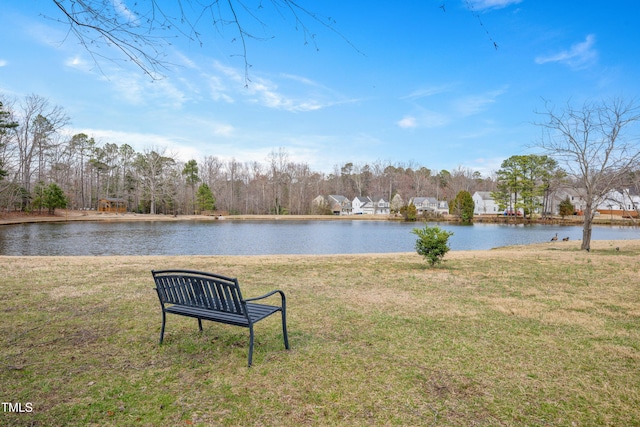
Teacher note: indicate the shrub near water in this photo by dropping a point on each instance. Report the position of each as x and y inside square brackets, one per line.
[432, 243]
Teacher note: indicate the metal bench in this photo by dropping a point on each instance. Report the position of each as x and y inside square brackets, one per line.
[207, 296]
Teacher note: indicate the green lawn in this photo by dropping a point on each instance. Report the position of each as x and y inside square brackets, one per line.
[527, 336]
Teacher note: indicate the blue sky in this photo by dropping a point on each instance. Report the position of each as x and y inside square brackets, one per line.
[398, 82]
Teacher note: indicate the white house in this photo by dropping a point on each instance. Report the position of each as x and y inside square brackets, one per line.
[620, 202]
[484, 204]
[365, 205]
[362, 205]
[382, 206]
[430, 205]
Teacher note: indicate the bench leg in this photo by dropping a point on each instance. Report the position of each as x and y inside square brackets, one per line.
[164, 320]
[284, 329]
[200, 324]
[250, 345]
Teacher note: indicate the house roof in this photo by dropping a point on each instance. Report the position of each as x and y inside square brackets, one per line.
[484, 195]
[338, 198]
[363, 199]
[418, 200]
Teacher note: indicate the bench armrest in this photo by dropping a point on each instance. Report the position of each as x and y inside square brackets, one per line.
[277, 291]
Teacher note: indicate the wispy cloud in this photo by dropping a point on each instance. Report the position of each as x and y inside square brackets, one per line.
[78, 62]
[267, 92]
[491, 4]
[124, 11]
[426, 92]
[208, 126]
[580, 55]
[139, 141]
[3, 63]
[474, 104]
[136, 89]
[424, 119]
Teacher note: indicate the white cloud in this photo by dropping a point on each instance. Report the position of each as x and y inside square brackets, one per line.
[407, 122]
[580, 55]
[491, 4]
[78, 63]
[3, 63]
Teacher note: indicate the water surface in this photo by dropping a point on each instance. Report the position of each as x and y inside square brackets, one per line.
[269, 237]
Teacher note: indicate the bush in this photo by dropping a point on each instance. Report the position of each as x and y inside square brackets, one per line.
[432, 243]
[566, 208]
[463, 207]
[409, 212]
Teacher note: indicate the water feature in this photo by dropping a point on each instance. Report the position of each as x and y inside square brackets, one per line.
[268, 237]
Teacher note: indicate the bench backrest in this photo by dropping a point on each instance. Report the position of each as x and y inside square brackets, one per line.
[198, 289]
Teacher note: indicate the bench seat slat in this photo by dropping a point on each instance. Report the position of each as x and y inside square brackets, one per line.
[256, 312]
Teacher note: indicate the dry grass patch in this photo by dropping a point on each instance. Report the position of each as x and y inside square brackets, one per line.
[540, 335]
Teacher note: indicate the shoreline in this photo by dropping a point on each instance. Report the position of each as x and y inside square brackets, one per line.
[63, 216]
[66, 215]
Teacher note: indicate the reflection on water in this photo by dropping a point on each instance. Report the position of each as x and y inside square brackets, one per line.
[268, 237]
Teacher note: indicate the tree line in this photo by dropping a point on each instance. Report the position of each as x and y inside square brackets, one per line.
[37, 156]
[592, 149]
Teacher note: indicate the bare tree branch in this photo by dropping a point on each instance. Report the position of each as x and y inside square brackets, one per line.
[142, 33]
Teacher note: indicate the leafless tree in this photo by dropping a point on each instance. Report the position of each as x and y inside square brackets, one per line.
[39, 122]
[594, 145]
[154, 168]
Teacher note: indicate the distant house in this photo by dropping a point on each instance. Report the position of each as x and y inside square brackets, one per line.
[381, 206]
[362, 205]
[620, 202]
[339, 205]
[430, 205]
[485, 204]
[443, 207]
[112, 205]
[421, 204]
[367, 206]
[577, 197]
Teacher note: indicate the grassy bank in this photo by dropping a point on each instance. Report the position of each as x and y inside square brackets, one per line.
[539, 335]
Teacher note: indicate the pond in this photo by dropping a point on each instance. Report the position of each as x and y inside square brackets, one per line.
[268, 237]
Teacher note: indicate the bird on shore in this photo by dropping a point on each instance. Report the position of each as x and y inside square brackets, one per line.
[554, 238]
[565, 239]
